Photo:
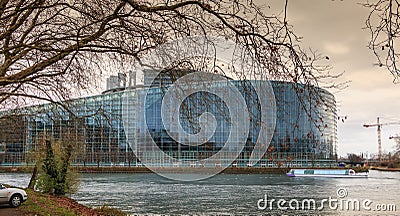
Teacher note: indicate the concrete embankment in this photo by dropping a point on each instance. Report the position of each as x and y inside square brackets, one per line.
[125, 169]
[117, 169]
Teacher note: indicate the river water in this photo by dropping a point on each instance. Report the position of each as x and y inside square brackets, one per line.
[228, 194]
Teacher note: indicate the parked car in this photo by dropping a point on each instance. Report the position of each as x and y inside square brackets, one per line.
[13, 196]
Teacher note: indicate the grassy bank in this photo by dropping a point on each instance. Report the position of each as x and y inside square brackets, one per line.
[45, 204]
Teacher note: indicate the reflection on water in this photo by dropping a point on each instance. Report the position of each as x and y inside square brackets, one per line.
[226, 194]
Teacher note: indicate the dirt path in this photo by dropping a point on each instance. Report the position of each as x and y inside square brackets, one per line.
[8, 211]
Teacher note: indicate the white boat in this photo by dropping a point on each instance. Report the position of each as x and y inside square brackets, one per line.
[330, 173]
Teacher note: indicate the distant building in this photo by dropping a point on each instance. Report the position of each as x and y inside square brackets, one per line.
[116, 82]
[305, 133]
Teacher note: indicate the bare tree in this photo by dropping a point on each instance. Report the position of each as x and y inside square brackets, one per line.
[384, 25]
[396, 151]
[49, 50]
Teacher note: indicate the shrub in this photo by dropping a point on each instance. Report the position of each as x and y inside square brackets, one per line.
[55, 174]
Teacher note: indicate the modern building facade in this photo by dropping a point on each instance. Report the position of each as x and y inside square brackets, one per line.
[108, 127]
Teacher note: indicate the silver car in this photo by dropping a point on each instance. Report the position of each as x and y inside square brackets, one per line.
[13, 196]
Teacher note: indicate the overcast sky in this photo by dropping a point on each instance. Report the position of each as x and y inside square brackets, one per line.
[335, 29]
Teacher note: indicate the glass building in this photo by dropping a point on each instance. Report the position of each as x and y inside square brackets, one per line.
[110, 129]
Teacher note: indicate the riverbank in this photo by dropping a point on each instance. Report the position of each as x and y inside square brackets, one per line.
[387, 169]
[123, 169]
[39, 204]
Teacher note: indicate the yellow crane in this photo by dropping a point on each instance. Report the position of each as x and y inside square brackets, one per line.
[379, 125]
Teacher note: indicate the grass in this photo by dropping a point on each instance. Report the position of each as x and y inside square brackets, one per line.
[44, 204]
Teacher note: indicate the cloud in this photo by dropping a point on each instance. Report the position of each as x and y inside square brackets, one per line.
[336, 48]
[334, 28]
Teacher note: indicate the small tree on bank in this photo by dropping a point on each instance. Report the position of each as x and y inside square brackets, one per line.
[53, 172]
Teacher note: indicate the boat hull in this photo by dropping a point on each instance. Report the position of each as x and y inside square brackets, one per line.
[330, 176]
[326, 173]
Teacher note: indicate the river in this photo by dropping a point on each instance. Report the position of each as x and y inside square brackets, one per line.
[228, 194]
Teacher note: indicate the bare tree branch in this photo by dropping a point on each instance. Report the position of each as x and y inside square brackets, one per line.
[384, 26]
[64, 45]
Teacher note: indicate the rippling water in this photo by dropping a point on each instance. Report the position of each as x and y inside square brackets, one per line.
[229, 194]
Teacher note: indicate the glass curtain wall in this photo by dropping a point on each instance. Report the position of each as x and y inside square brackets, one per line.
[108, 126]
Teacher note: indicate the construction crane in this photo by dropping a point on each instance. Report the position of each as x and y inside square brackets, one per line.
[379, 125]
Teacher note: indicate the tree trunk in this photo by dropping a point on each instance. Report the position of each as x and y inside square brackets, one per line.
[33, 178]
